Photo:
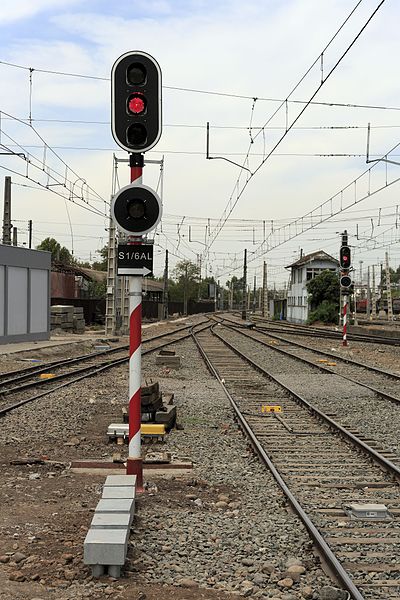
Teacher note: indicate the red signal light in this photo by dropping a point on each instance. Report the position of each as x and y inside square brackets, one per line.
[136, 104]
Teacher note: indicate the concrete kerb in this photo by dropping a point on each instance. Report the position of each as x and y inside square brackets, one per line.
[106, 542]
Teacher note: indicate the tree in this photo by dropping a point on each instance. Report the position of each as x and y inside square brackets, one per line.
[101, 265]
[237, 284]
[58, 253]
[186, 275]
[323, 298]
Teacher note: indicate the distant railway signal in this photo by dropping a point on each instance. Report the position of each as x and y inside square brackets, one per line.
[345, 257]
[136, 121]
[136, 209]
[345, 281]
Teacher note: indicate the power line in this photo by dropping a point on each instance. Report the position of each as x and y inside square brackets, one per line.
[214, 126]
[201, 153]
[231, 204]
[208, 92]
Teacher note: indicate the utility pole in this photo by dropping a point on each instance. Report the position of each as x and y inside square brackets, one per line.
[388, 289]
[30, 233]
[361, 279]
[254, 294]
[7, 212]
[111, 324]
[265, 311]
[14, 236]
[185, 292]
[199, 264]
[244, 303]
[373, 293]
[165, 288]
[345, 281]
[231, 295]
[368, 295]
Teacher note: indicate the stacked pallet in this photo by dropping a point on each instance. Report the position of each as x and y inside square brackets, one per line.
[67, 318]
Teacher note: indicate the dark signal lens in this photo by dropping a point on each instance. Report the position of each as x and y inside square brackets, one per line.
[136, 134]
[136, 74]
[136, 104]
[136, 208]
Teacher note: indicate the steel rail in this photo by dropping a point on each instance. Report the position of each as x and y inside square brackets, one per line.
[323, 368]
[97, 370]
[293, 329]
[384, 462]
[8, 377]
[336, 567]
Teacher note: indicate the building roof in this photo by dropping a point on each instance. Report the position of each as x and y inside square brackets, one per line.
[150, 285]
[93, 274]
[314, 256]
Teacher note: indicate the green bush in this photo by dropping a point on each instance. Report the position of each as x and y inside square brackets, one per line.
[326, 312]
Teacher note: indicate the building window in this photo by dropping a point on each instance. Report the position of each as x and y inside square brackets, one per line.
[300, 275]
[299, 300]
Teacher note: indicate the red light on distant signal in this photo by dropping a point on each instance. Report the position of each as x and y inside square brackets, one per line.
[136, 104]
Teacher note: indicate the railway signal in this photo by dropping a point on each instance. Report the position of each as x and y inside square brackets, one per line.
[345, 281]
[136, 121]
[345, 257]
[136, 209]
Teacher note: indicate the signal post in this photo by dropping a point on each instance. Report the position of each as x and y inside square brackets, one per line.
[136, 209]
[345, 280]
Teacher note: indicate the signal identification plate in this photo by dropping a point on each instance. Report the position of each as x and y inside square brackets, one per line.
[135, 259]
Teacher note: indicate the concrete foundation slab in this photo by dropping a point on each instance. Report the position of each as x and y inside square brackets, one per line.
[105, 546]
[173, 362]
[111, 521]
[118, 429]
[120, 480]
[115, 505]
[113, 491]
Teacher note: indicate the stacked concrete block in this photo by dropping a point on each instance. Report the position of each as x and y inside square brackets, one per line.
[78, 320]
[106, 542]
[62, 317]
[67, 318]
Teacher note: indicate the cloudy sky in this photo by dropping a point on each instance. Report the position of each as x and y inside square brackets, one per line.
[232, 64]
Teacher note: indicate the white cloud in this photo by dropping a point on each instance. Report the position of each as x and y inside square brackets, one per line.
[12, 11]
[258, 49]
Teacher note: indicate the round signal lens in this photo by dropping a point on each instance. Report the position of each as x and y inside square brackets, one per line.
[136, 104]
[136, 208]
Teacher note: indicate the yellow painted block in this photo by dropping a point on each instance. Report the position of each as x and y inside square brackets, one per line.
[322, 360]
[331, 364]
[271, 408]
[46, 375]
[152, 429]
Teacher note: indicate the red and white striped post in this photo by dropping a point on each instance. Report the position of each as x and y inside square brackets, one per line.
[134, 462]
[345, 304]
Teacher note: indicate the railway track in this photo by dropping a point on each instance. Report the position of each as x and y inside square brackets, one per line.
[365, 409]
[322, 468]
[309, 331]
[383, 383]
[14, 384]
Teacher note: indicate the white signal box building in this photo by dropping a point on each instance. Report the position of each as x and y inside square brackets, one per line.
[302, 271]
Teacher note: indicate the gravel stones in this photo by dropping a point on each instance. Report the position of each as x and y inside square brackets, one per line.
[233, 532]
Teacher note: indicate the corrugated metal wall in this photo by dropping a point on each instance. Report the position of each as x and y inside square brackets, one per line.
[24, 294]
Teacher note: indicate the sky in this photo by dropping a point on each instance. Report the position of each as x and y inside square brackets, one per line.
[232, 64]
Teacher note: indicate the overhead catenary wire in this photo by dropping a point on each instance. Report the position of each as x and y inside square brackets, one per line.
[237, 190]
[208, 92]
